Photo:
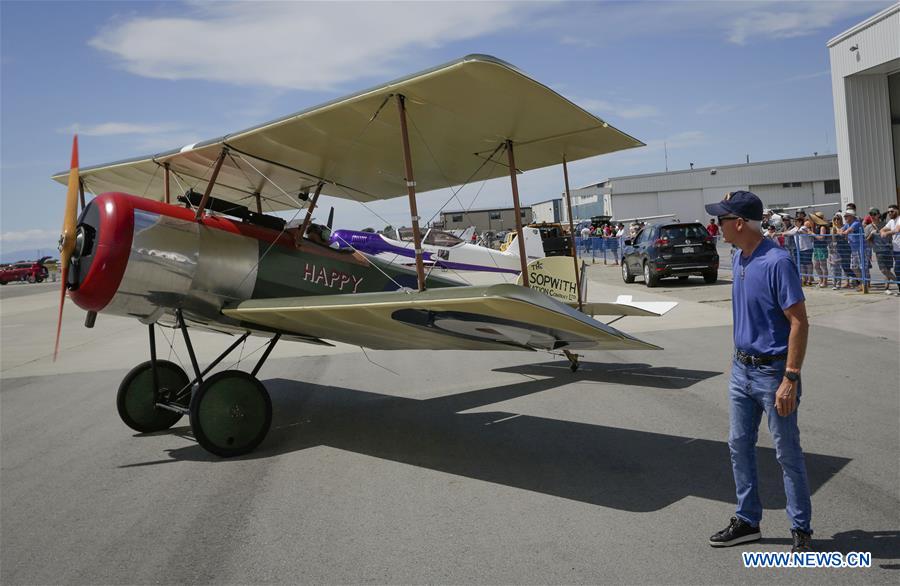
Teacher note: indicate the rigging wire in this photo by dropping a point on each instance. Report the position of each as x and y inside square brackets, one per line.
[366, 354]
[241, 355]
[183, 190]
[283, 229]
[391, 279]
[208, 169]
[150, 181]
[236, 363]
[455, 194]
[171, 342]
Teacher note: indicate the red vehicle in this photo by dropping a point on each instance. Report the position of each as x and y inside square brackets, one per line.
[31, 271]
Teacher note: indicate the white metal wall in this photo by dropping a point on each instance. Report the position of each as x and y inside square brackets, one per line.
[870, 144]
[862, 109]
[725, 177]
[686, 205]
[543, 212]
[685, 192]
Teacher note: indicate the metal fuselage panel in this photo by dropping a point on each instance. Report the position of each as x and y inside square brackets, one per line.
[177, 263]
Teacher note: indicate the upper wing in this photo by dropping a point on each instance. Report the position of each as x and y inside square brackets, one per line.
[494, 317]
[460, 112]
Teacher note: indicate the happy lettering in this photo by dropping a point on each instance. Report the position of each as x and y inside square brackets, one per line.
[331, 278]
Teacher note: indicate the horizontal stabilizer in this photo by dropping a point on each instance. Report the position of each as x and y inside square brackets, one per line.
[624, 305]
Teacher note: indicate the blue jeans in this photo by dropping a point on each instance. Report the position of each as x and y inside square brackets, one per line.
[751, 393]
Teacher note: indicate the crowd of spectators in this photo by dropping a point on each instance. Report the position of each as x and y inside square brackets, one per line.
[842, 252]
[838, 252]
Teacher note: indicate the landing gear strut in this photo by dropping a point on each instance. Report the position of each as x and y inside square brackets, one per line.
[230, 412]
[573, 360]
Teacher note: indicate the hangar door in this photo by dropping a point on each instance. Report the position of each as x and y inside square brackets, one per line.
[636, 205]
[687, 205]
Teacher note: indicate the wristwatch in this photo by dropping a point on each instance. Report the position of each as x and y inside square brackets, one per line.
[792, 375]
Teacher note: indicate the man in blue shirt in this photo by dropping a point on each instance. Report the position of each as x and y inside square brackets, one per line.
[853, 230]
[770, 333]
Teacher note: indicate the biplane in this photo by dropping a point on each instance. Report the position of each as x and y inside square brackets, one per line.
[218, 259]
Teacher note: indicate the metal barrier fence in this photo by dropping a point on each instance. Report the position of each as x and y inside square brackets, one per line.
[600, 249]
[825, 260]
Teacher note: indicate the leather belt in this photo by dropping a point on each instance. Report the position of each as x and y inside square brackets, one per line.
[751, 360]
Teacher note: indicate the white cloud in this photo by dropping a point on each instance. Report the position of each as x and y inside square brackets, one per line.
[29, 236]
[604, 108]
[117, 128]
[789, 20]
[738, 22]
[298, 45]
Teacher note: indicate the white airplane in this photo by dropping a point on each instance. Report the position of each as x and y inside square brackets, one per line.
[443, 249]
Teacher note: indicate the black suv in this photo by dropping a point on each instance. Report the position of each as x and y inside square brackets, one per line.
[670, 250]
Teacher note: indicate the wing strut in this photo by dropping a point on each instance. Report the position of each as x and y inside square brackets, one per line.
[411, 191]
[515, 193]
[166, 194]
[211, 184]
[572, 233]
[309, 211]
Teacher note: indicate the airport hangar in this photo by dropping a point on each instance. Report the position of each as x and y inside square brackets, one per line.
[865, 81]
[492, 219]
[783, 183]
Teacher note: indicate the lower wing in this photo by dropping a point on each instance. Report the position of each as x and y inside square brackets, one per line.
[493, 317]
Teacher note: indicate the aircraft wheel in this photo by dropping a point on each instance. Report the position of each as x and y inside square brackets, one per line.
[230, 413]
[136, 401]
[626, 274]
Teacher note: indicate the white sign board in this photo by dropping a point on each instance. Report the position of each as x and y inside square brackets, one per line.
[553, 276]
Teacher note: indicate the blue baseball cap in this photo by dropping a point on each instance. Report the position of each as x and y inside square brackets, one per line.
[739, 203]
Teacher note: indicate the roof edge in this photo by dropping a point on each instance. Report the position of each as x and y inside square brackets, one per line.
[863, 25]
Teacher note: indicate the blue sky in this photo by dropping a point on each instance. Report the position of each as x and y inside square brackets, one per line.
[715, 81]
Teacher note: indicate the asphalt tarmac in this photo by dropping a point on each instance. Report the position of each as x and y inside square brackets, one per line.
[444, 467]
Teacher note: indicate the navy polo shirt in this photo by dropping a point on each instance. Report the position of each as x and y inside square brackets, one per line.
[765, 284]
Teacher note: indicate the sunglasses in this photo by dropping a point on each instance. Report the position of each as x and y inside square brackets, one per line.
[723, 218]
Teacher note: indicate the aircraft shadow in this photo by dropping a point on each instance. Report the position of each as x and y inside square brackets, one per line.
[637, 374]
[619, 468]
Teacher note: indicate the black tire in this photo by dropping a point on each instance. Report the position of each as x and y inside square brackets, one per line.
[683, 277]
[38, 279]
[3, 282]
[650, 279]
[626, 274]
[136, 401]
[711, 277]
[231, 413]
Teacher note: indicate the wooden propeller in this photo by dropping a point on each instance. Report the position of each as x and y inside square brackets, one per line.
[67, 238]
